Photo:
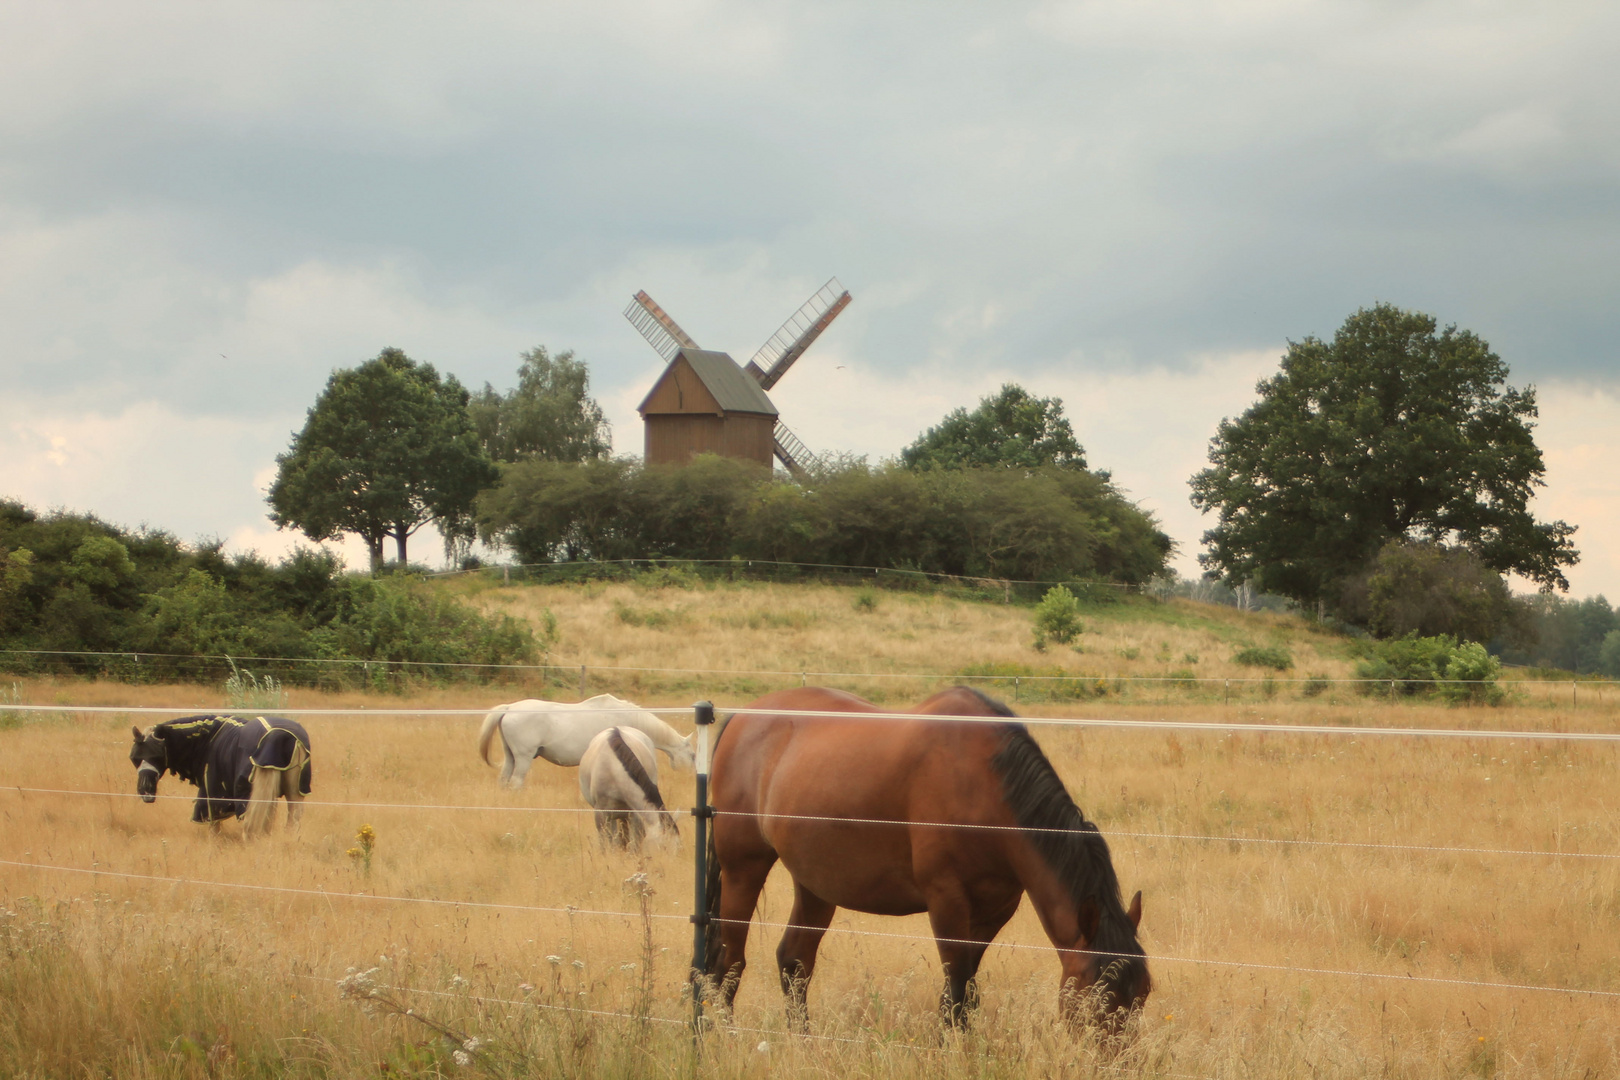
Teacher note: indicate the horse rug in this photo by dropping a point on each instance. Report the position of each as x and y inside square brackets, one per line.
[232, 747]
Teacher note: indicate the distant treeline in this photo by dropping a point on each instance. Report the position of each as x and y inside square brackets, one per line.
[72, 582]
[1552, 631]
[1045, 523]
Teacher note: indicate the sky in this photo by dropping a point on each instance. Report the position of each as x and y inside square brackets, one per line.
[206, 209]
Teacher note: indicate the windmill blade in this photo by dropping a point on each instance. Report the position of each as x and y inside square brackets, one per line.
[793, 454]
[657, 327]
[796, 335]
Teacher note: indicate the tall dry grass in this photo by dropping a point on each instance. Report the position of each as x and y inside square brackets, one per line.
[134, 977]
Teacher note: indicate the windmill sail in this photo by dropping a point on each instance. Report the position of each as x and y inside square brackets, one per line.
[796, 335]
[657, 327]
[793, 454]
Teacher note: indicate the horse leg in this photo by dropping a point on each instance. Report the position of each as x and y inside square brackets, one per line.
[520, 770]
[294, 797]
[962, 935]
[740, 886]
[508, 764]
[612, 828]
[796, 955]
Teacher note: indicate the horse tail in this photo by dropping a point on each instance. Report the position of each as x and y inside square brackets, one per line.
[486, 734]
[711, 952]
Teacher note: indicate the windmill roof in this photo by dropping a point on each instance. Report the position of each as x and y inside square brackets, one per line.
[733, 389]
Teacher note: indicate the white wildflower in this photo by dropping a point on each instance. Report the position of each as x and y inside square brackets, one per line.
[462, 1058]
[527, 988]
[458, 983]
[473, 1045]
[553, 960]
[579, 964]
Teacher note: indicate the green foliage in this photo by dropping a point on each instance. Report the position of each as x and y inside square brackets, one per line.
[866, 600]
[1316, 686]
[1011, 429]
[1416, 665]
[245, 690]
[1427, 589]
[86, 585]
[388, 446]
[1041, 524]
[1389, 432]
[549, 416]
[1609, 655]
[1554, 632]
[1057, 617]
[1471, 673]
[1271, 656]
[400, 618]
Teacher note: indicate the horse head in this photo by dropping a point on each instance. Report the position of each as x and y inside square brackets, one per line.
[1110, 984]
[683, 755]
[150, 756]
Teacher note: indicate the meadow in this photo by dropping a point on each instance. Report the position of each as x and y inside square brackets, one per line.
[1325, 905]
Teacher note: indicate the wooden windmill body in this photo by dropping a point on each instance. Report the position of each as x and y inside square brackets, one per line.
[705, 402]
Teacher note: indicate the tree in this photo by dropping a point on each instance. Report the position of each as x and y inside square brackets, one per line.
[1389, 432]
[1011, 429]
[388, 447]
[549, 416]
[1429, 590]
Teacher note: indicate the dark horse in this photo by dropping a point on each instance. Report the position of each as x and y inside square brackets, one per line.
[239, 764]
[777, 779]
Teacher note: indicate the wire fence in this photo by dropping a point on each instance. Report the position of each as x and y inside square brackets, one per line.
[569, 910]
[847, 931]
[1021, 686]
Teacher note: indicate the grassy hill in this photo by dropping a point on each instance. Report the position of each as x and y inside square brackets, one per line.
[892, 645]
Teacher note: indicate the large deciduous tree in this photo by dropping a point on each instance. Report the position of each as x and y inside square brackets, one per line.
[388, 447]
[1391, 431]
[1011, 429]
[549, 416]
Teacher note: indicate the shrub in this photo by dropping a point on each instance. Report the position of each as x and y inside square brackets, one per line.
[1057, 617]
[1472, 673]
[1418, 665]
[1273, 657]
[1316, 686]
[866, 600]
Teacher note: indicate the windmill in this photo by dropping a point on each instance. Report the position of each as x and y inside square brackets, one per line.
[705, 402]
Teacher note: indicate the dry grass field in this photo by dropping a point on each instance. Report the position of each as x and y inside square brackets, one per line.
[1364, 952]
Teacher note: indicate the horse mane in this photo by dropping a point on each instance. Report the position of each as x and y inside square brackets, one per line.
[632, 766]
[1069, 844]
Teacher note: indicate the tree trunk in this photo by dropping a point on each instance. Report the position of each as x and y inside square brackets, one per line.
[400, 537]
[374, 547]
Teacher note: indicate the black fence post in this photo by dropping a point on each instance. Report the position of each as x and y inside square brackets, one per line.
[703, 714]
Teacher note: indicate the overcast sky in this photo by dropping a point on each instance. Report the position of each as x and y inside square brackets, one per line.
[205, 209]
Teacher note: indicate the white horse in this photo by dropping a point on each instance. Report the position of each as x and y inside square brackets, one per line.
[559, 732]
[618, 776]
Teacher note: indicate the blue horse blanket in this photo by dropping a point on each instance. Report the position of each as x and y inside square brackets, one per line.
[219, 754]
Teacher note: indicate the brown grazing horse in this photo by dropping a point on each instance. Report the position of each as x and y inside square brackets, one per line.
[777, 780]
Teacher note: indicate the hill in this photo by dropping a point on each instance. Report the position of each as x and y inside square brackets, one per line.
[667, 631]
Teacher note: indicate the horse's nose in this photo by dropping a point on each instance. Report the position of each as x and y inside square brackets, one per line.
[148, 798]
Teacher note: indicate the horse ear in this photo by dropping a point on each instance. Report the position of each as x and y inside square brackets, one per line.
[138, 735]
[1134, 912]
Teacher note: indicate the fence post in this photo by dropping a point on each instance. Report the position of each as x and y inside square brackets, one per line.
[703, 714]
[582, 682]
[1015, 689]
[1228, 700]
[1392, 690]
[1572, 693]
